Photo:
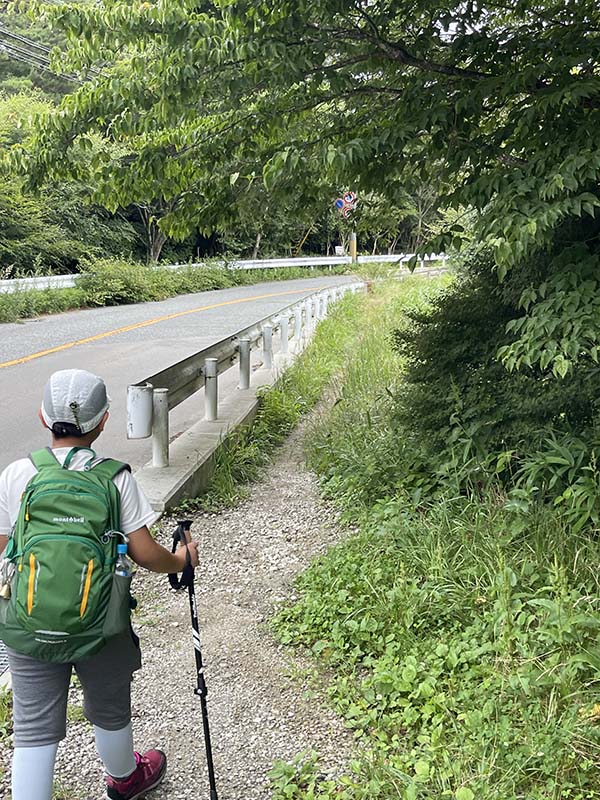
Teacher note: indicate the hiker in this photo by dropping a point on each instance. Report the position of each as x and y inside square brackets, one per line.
[72, 487]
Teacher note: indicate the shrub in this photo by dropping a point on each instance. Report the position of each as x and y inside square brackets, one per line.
[471, 421]
[112, 282]
[34, 303]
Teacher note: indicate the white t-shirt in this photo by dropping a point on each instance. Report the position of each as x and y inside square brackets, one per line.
[136, 511]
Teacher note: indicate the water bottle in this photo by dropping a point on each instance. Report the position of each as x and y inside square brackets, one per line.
[123, 566]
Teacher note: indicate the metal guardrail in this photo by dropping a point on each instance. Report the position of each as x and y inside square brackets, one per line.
[70, 281]
[149, 402]
[43, 282]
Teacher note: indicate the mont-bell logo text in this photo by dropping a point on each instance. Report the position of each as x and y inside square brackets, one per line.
[68, 519]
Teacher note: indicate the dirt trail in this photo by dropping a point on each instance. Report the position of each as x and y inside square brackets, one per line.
[262, 702]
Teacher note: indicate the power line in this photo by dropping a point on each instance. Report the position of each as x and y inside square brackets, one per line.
[39, 60]
[36, 45]
[26, 53]
[33, 60]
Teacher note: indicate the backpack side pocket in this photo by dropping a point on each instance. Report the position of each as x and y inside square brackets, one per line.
[118, 612]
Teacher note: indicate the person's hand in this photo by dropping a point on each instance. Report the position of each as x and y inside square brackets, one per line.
[181, 554]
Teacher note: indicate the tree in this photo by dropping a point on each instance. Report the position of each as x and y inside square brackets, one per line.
[56, 228]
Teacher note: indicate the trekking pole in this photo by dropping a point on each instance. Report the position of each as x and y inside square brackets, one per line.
[181, 536]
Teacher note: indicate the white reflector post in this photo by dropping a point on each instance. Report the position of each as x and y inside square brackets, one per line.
[139, 411]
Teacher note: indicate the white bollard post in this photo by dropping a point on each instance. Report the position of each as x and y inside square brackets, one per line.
[139, 411]
[160, 428]
[284, 329]
[297, 323]
[244, 363]
[268, 346]
[211, 389]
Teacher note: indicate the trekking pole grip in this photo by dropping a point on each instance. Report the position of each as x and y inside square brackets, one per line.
[181, 535]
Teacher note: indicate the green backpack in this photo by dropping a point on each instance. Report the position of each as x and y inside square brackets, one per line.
[65, 600]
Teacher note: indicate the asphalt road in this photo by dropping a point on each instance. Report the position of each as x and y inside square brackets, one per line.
[125, 344]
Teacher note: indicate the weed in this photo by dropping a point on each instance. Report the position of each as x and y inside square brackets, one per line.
[109, 282]
[75, 713]
[60, 792]
[5, 713]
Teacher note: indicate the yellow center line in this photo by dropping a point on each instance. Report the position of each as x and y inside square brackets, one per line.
[147, 322]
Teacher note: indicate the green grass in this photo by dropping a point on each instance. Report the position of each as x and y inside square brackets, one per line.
[463, 638]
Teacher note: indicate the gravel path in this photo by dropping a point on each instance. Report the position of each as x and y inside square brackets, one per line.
[263, 704]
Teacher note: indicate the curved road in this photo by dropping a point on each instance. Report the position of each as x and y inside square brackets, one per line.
[125, 344]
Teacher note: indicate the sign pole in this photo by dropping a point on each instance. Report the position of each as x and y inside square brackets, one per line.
[353, 247]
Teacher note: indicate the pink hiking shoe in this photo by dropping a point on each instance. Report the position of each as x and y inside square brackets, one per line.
[149, 772]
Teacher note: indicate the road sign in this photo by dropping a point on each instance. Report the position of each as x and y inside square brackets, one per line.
[346, 204]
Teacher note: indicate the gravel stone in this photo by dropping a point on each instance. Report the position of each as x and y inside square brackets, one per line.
[265, 701]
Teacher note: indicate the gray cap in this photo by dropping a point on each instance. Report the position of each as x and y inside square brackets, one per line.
[75, 396]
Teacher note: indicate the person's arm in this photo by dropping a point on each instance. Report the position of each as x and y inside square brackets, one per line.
[147, 553]
[3, 543]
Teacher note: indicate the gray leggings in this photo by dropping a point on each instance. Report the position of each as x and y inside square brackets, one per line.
[40, 691]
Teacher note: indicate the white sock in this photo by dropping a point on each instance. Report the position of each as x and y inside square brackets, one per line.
[33, 772]
[115, 748]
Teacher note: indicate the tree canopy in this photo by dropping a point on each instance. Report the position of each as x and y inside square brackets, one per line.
[496, 104]
[198, 108]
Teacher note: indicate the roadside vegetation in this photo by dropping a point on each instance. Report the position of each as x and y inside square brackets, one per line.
[113, 282]
[460, 626]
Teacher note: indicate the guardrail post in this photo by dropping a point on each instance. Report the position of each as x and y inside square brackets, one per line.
[297, 323]
[268, 346]
[211, 389]
[325, 303]
[308, 305]
[160, 428]
[139, 411]
[284, 329]
[244, 345]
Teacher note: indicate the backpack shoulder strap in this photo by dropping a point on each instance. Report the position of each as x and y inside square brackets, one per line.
[109, 468]
[43, 458]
